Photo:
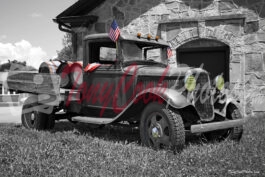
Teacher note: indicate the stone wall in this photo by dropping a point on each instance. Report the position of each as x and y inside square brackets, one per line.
[240, 24]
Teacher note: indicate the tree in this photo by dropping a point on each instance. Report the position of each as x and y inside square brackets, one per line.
[16, 66]
[66, 52]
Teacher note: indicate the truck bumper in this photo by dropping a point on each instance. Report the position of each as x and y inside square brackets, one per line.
[207, 127]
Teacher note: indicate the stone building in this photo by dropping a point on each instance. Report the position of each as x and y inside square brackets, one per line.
[227, 36]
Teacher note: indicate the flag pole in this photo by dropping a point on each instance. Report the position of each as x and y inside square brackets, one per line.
[117, 47]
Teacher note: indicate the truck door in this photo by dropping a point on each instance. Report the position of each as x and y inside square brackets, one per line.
[103, 93]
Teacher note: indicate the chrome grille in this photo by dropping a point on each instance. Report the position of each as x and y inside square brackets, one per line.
[203, 100]
[202, 79]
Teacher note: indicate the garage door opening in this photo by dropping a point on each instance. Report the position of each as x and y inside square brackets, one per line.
[212, 55]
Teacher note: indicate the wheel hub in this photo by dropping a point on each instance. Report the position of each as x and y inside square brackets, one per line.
[157, 131]
[32, 116]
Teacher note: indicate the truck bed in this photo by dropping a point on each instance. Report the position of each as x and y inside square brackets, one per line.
[29, 82]
[46, 86]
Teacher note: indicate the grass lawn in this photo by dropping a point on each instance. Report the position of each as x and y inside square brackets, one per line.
[75, 150]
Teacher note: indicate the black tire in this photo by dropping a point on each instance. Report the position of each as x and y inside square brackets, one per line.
[234, 133]
[32, 118]
[233, 113]
[50, 122]
[162, 128]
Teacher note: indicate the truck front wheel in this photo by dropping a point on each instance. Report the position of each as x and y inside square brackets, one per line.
[34, 115]
[234, 133]
[162, 128]
[233, 113]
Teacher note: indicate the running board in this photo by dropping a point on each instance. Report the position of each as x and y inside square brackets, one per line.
[93, 120]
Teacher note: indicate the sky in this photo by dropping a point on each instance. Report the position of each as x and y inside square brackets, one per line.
[27, 32]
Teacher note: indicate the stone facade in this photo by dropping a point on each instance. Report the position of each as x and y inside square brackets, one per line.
[238, 24]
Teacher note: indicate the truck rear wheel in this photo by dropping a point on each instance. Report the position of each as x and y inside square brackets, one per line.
[33, 118]
[162, 128]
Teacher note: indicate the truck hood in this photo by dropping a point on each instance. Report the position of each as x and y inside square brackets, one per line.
[169, 71]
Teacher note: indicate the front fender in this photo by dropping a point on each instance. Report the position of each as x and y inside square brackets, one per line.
[224, 109]
[170, 96]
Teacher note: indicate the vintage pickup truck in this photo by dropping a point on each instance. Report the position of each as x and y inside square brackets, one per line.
[131, 81]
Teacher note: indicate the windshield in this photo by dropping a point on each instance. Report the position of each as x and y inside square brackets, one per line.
[144, 53]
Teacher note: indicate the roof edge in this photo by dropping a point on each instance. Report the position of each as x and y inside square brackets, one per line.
[80, 7]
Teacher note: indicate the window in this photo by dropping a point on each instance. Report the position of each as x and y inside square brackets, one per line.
[107, 54]
[144, 52]
[101, 52]
[154, 54]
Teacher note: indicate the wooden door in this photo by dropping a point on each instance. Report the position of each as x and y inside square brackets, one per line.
[215, 60]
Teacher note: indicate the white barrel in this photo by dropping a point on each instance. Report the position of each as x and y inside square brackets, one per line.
[62, 68]
[64, 72]
[49, 67]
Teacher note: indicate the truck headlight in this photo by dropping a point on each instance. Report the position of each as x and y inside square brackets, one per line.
[219, 82]
[190, 82]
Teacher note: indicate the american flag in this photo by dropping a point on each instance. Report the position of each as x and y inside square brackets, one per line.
[169, 52]
[114, 32]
